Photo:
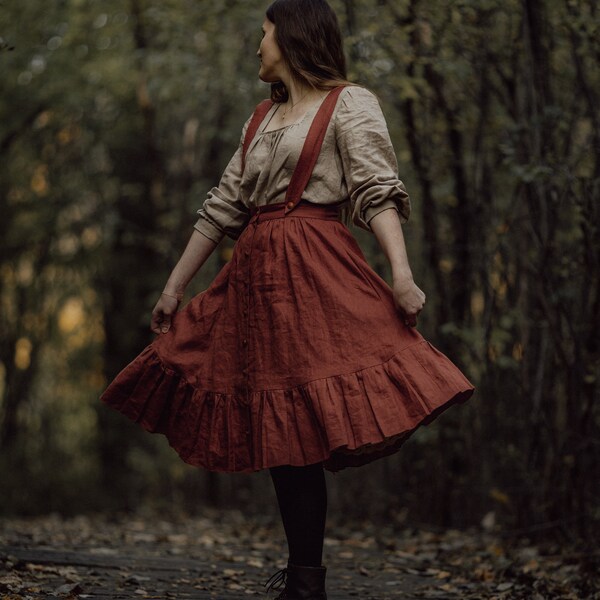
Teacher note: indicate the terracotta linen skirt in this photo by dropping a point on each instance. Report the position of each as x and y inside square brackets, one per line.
[295, 354]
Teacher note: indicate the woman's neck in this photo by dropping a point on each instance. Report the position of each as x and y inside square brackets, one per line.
[299, 91]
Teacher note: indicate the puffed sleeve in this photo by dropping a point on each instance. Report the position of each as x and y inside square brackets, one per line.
[223, 212]
[368, 158]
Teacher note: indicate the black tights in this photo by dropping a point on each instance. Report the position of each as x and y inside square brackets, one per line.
[302, 498]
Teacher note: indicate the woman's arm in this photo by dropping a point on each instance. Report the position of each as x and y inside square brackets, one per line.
[409, 299]
[223, 212]
[199, 248]
[368, 159]
[378, 199]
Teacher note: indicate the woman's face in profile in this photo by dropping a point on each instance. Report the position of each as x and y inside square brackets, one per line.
[272, 64]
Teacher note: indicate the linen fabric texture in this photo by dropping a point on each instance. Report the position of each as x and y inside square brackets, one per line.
[295, 354]
[357, 165]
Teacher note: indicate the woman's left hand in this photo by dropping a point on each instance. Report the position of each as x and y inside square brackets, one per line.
[409, 300]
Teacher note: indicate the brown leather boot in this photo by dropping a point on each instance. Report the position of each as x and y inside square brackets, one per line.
[301, 583]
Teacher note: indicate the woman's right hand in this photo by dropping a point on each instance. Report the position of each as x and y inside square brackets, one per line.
[163, 312]
[196, 252]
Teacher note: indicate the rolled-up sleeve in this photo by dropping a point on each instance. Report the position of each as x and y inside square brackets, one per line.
[223, 212]
[368, 159]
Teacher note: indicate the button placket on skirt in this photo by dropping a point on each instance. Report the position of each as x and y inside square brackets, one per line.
[247, 362]
[248, 301]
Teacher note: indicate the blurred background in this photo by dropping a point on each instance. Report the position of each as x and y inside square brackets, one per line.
[116, 118]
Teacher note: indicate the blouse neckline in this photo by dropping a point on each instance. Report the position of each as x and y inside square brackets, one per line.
[306, 114]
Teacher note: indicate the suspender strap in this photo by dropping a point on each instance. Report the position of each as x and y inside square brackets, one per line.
[260, 112]
[310, 150]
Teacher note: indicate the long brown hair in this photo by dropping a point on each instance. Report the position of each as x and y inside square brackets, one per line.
[309, 38]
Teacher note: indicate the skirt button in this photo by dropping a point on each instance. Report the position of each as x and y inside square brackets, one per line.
[290, 205]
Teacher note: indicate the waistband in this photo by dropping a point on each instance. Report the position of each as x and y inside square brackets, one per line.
[304, 208]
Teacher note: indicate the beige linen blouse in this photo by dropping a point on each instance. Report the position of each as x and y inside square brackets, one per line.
[357, 165]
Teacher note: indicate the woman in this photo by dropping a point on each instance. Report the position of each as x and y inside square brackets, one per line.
[298, 357]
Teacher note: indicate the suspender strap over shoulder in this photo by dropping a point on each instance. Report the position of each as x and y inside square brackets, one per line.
[260, 113]
[311, 150]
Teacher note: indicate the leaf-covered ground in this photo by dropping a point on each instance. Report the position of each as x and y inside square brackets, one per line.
[225, 554]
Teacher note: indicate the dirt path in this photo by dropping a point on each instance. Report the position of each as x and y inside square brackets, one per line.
[228, 556]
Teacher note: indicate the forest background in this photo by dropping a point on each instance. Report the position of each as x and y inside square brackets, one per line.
[116, 118]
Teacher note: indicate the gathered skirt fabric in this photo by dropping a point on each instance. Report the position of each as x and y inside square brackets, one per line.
[295, 354]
